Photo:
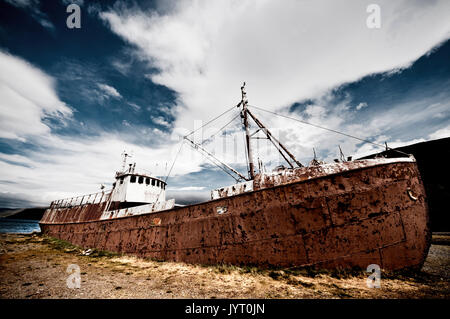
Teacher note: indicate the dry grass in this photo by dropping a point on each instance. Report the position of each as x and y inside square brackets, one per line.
[34, 266]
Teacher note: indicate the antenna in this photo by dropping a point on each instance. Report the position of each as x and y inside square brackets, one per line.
[244, 113]
[124, 161]
[341, 154]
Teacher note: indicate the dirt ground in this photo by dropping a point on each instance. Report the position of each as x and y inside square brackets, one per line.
[35, 266]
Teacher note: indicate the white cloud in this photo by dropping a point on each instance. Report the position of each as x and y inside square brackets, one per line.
[160, 121]
[188, 188]
[72, 166]
[67, 2]
[109, 91]
[121, 66]
[28, 97]
[20, 3]
[285, 51]
[361, 106]
[61, 166]
[33, 6]
[134, 106]
[441, 133]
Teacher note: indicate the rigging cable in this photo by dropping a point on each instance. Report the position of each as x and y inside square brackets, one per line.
[173, 163]
[328, 129]
[231, 121]
[167, 177]
[232, 108]
[195, 146]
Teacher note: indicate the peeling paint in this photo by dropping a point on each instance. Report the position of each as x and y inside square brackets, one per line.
[232, 190]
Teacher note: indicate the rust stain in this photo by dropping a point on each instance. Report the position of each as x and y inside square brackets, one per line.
[156, 221]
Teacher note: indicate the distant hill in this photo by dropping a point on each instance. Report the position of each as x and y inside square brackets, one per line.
[34, 213]
[433, 160]
[5, 212]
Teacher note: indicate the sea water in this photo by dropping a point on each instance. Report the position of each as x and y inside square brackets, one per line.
[20, 226]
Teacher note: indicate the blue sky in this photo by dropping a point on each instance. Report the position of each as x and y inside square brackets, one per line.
[138, 75]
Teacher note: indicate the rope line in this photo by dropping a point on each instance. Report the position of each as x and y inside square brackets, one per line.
[173, 163]
[231, 121]
[167, 177]
[232, 108]
[328, 129]
[221, 167]
[209, 157]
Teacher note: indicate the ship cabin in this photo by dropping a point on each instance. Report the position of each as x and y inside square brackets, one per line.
[134, 189]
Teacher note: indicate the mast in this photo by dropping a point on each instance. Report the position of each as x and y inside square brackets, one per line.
[124, 161]
[280, 147]
[244, 115]
[275, 142]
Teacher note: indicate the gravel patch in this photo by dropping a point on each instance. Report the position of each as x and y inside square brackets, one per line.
[35, 267]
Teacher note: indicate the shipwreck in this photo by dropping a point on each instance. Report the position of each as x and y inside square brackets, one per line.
[348, 213]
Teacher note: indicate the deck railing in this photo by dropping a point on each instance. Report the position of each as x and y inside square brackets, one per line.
[94, 198]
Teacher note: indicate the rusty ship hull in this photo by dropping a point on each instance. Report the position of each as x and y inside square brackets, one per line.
[350, 214]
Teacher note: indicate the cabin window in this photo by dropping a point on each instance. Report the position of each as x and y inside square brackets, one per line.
[147, 181]
[133, 179]
[121, 180]
[163, 186]
[157, 183]
[153, 182]
[141, 179]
